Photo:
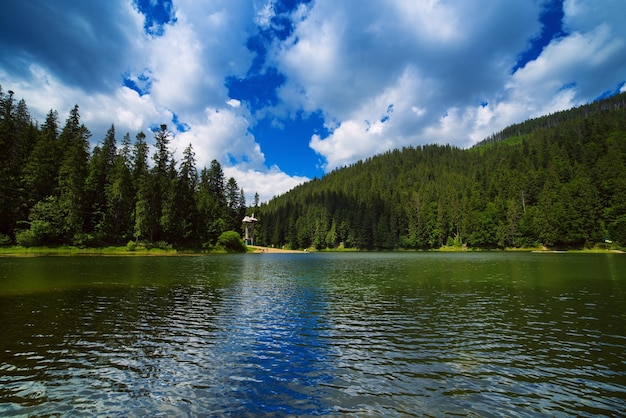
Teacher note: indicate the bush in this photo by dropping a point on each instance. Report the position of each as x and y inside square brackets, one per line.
[83, 240]
[26, 238]
[163, 245]
[231, 241]
[131, 246]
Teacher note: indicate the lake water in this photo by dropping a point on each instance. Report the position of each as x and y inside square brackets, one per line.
[389, 334]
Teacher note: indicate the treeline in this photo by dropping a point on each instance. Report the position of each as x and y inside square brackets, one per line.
[54, 191]
[550, 121]
[555, 182]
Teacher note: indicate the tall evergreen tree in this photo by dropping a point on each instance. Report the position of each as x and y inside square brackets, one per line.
[212, 203]
[120, 195]
[186, 198]
[141, 184]
[233, 204]
[241, 209]
[41, 172]
[73, 173]
[100, 167]
[8, 181]
[164, 182]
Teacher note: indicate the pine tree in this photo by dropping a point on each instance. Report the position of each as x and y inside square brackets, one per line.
[140, 180]
[73, 173]
[233, 205]
[186, 198]
[41, 172]
[8, 182]
[159, 187]
[100, 168]
[212, 206]
[120, 195]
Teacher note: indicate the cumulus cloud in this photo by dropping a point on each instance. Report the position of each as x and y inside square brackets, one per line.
[380, 75]
[446, 70]
[222, 134]
[347, 60]
[267, 183]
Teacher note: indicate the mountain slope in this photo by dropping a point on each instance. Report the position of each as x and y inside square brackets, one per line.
[558, 181]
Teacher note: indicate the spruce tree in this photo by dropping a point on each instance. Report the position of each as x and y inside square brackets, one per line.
[72, 175]
[141, 184]
[120, 195]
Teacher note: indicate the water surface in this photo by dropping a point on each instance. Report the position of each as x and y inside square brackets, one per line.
[392, 334]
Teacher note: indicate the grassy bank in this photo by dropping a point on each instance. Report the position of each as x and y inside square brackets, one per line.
[462, 248]
[19, 251]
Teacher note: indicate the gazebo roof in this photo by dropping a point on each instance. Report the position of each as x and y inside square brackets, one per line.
[250, 219]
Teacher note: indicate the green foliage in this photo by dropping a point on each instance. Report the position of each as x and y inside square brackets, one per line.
[231, 242]
[54, 191]
[27, 238]
[558, 180]
[46, 226]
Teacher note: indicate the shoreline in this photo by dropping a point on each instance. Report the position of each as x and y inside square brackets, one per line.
[257, 249]
[16, 251]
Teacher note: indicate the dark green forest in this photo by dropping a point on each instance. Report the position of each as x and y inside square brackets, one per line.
[55, 190]
[557, 181]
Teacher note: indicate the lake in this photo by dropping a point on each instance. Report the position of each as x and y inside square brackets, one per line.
[366, 334]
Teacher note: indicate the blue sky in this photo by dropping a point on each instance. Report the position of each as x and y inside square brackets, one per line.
[281, 91]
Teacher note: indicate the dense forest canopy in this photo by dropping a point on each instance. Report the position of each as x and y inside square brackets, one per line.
[557, 181]
[55, 190]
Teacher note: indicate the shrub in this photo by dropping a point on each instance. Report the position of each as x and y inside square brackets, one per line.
[163, 245]
[83, 240]
[231, 241]
[131, 246]
[26, 238]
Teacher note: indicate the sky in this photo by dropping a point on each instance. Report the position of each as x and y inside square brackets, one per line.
[282, 91]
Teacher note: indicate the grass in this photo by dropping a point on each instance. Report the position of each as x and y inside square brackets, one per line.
[19, 251]
[67, 250]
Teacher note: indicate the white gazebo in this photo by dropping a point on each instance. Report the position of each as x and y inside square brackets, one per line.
[249, 222]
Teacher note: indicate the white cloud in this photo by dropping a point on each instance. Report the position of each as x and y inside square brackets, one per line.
[347, 60]
[446, 69]
[379, 124]
[267, 183]
[222, 134]
[234, 103]
[382, 74]
[264, 13]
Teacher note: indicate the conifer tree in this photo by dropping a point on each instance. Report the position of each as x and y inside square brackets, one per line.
[212, 206]
[100, 168]
[42, 168]
[152, 193]
[120, 195]
[233, 205]
[73, 173]
[141, 183]
[186, 197]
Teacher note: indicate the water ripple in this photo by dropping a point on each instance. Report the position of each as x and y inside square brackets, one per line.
[314, 335]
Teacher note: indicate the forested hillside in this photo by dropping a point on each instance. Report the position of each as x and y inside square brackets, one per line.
[558, 181]
[55, 190]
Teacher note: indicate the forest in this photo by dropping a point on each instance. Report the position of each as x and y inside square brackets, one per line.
[557, 181]
[56, 190]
